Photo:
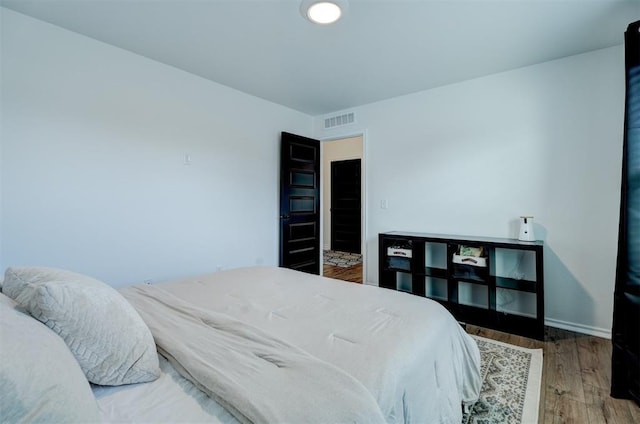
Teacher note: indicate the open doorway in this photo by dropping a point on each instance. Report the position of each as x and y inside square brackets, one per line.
[343, 211]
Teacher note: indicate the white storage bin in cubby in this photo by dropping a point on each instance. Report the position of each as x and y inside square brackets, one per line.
[399, 251]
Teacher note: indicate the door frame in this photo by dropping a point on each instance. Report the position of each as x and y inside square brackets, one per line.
[363, 195]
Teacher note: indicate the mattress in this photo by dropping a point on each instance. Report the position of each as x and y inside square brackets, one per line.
[409, 352]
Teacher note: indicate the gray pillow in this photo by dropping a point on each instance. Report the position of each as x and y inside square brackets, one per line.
[104, 332]
[40, 380]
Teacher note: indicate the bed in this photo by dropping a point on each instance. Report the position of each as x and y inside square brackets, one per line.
[265, 344]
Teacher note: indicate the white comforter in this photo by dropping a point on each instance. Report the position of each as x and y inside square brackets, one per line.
[254, 375]
[409, 352]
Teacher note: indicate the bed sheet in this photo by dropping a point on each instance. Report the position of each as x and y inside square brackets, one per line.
[169, 399]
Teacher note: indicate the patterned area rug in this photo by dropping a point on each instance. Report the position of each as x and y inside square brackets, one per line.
[342, 259]
[511, 378]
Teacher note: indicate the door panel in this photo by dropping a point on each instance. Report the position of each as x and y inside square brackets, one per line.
[300, 203]
[346, 210]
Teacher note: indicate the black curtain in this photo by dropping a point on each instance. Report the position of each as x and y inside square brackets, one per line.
[625, 375]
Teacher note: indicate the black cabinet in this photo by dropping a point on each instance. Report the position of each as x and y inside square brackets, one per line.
[491, 282]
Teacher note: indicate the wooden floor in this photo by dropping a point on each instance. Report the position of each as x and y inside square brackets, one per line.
[576, 378]
[353, 273]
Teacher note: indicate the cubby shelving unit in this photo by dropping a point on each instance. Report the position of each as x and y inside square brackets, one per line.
[506, 295]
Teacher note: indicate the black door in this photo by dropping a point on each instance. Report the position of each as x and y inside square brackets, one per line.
[300, 203]
[346, 205]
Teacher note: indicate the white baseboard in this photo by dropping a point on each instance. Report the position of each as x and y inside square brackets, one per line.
[579, 328]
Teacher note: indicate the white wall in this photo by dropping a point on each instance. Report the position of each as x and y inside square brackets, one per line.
[470, 158]
[93, 141]
[334, 150]
[93, 150]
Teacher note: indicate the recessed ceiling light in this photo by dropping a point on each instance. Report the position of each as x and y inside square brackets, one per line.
[323, 12]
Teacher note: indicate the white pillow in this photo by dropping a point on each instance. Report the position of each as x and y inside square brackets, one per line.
[40, 380]
[104, 332]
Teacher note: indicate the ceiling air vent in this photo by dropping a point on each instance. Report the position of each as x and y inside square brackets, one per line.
[339, 120]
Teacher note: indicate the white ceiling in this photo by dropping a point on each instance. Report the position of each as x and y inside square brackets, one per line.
[378, 50]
